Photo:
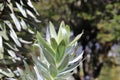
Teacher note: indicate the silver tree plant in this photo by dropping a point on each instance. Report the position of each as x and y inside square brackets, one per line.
[17, 20]
[58, 57]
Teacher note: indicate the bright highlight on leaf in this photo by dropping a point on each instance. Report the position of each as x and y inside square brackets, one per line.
[57, 55]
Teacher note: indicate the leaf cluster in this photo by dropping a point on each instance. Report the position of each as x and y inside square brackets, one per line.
[58, 56]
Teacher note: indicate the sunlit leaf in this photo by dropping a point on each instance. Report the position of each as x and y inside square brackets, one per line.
[15, 38]
[79, 57]
[23, 24]
[60, 32]
[52, 30]
[76, 39]
[48, 35]
[4, 35]
[39, 77]
[21, 9]
[16, 21]
[30, 4]
[31, 14]
[24, 41]
[1, 48]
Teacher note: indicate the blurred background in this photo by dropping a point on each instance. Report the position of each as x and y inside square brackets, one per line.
[100, 22]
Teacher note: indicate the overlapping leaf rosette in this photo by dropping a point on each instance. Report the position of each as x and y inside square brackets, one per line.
[58, 57]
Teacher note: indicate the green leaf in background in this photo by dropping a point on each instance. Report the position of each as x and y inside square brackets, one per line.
[60, 51]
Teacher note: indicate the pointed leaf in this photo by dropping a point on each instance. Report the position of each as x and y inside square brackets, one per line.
[45, 74]
[63, 33]
[48, 35]
[30, 14]
[60, 32]
[30, 4]
[27, 67]
[44, 44]
[77, 58]
[23, 24]
[64, 63]
[39, 77]
[48, 57]
[4, 35]
[53, 70]
[52, 30]
[15, 39]
[20, 7]
[12, 47]
[39, 63]
[28, 70]
[24, 41]
[76, 39]
[53, 43]
[16, 21]
[68, 34]
[60, 51]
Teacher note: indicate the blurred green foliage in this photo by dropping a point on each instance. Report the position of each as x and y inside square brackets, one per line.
[104, 15]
